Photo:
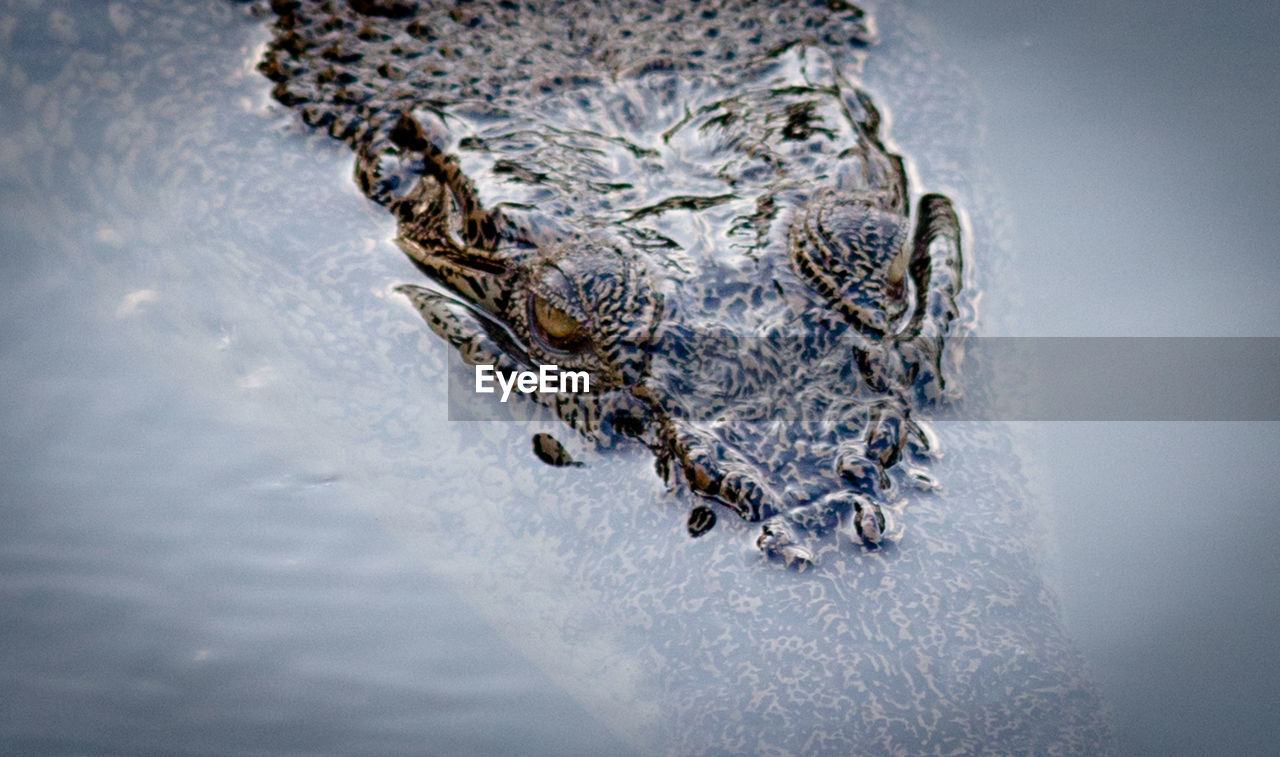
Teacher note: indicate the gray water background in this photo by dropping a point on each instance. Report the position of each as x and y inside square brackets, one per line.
[1133, 145]
[190, 565]
[189, 559]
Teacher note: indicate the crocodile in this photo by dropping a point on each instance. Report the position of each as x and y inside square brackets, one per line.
[269, 310]
[703, 216]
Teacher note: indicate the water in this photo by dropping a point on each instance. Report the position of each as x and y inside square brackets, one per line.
[220, 496]
[188, 560]
[1138, 165]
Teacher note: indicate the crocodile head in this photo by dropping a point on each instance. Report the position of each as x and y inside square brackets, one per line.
[782, 389]
[725, 247]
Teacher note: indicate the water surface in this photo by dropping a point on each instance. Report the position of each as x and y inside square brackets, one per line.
[1134, 154]
[236, 520]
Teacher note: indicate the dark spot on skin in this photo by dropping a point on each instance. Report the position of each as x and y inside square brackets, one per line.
[628, 425]
[551, 451]
[701, 520]
[384, 8]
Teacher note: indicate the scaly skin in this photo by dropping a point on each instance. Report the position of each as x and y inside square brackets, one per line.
[775, 364]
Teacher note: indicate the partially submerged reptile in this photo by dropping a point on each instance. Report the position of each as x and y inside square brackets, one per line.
[949, 645]
[703, 216]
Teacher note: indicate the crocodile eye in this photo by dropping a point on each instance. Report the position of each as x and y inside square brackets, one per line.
[557, 328]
